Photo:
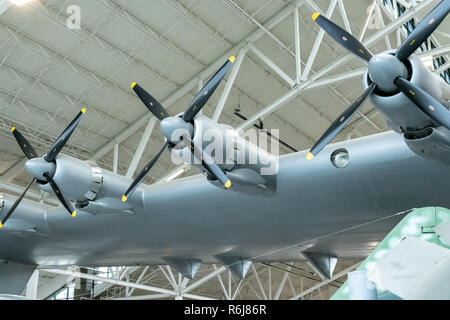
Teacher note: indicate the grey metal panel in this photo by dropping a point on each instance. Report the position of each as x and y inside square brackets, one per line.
[317, 207]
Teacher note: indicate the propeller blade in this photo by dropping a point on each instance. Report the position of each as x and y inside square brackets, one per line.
[209, 164]
[423, 30]
[203, 95]
[61, 198]
[16, 203]
[341, 36]
[26, 147]
[143, 173]
[339, 124]
[433, 108]
[151, 103]
[64, 137]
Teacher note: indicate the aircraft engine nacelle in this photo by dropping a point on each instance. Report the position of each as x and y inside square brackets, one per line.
[399, 111]
[78, 180]
[433, 143]
[251, 169]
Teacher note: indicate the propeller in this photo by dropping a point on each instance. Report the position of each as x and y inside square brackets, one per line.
[151, 103]
[172, 126]
[43, 168]
[339, 123]
[387, 72]
[27, 148]
[16, 203]
[203, 95]
[209, 164]
[342, 37]
[429, 105]
[425, 28]
[143, 173]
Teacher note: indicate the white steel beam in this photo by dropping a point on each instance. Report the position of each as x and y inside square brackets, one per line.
[138, 280]
[169, 270]
[344, 16]
[272, 65]
[238, 289]
[435, 52]
[30, 194]
[4, 5]
[323, 283]
[291, 94]
[375, 37]
[366, 24]
[146, 297]
[292, 286]
[226, 91]
[203, 280]
[442, 68]
[282, 283]
[15, 170]
[200, 87]
[172, 283]
[141, 147]
[222, 285]
[337, 62]
[116, 157]
[317, 43]
[173, 174]
[336, 78]
[380, 18]
[259, 282]
[298, 58]
[229, 282]
[270, 283]
[50, 286]
[125, 283]
[270, 34]
[188, 86]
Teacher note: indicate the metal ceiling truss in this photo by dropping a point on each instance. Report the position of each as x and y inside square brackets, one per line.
[264, 282]
[296, 87]
[306, 78]
[302, 82]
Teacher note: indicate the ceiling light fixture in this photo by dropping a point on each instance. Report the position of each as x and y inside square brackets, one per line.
[174, 175]
[19, 2]
[428, 62]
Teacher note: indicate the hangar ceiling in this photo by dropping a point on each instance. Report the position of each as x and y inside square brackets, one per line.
[49, 71]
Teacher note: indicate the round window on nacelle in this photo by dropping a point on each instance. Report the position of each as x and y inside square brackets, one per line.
[340, 158]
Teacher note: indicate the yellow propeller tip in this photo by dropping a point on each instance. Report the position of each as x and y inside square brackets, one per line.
[1, 225]
[228, 184]
[309, 156]
[12, 129]
[315, 15]
[133, 84]
[232, 58]
[124, 198]
[74, 214]
[83, 110]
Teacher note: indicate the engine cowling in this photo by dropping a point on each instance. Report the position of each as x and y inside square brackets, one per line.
[397, 108]
[78, 180]
[433, 143]
[251, 169]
